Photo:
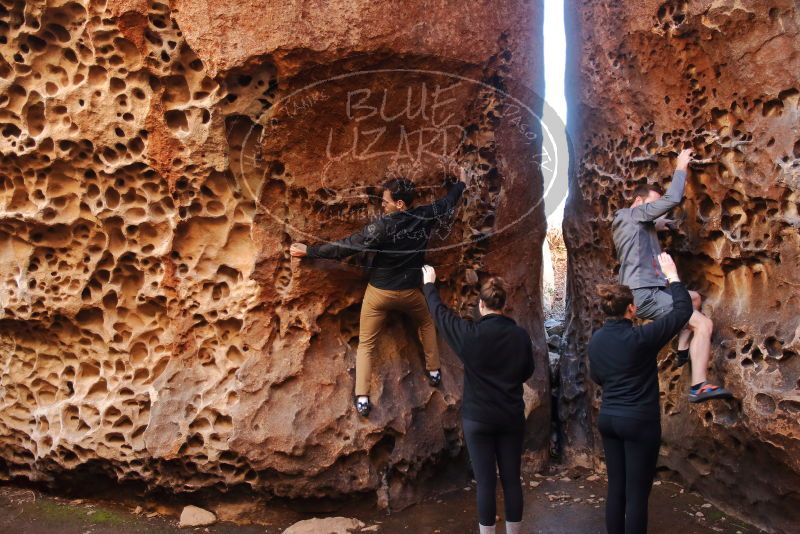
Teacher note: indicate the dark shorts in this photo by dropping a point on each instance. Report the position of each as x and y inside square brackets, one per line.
[652, 302]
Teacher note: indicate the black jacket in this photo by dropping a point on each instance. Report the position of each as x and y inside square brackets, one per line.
[497, 356]
[622, 359]
[399, 241]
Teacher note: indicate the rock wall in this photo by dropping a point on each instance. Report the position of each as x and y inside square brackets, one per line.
[555, 278]
[648, 78]
[157, 161]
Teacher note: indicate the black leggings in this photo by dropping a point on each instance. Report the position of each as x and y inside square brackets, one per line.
[491, 446]
[631, 448]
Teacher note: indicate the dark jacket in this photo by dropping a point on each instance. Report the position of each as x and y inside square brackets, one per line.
[622, 359]
[636, 240]
[399, 241]
[497, 356]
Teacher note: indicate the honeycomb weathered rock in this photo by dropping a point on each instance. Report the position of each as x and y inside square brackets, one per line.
[649, 78]
[158, 159]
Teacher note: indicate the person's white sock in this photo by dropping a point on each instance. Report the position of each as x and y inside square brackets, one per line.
[363, 398]
[486, 530]
[513, 527]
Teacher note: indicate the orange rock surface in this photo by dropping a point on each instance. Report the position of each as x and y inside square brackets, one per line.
[157, 161]
[648, 78]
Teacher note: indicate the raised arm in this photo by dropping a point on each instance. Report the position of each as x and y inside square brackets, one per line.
[453, 328]
[443, 206]
[659, 332]
[368, 238]
[651, 211]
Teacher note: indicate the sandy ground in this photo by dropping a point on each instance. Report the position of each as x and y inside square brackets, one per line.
[558, 502]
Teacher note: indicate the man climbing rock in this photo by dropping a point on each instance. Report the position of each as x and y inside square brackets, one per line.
[399, 240]
[637, 245]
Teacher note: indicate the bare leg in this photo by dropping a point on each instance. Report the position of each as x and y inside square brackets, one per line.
[686, 334]
[700, 345]
[684, 337]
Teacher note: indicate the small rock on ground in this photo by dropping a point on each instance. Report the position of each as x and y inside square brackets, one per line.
[554, 326]
[192, 516]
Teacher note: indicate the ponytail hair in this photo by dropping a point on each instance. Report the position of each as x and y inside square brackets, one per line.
[493, 293]
[614, 299]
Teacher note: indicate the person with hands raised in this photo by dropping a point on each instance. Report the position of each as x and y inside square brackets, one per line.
[398, 240]
[498, 358]
[622, 361]
[636, 241]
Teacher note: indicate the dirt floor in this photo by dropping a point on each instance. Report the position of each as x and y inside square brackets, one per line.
[558, 502]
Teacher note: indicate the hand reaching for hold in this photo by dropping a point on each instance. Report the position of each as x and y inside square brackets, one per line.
[684, 158]
[664, 224]
[466, 174]
[428, 274]
[298, 250]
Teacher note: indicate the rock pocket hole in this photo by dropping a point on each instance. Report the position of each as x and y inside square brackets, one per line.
[765, 403]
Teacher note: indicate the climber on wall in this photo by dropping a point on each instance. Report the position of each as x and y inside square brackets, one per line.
[622, 360]
[498, 359]
[399, 240]
[637, 245]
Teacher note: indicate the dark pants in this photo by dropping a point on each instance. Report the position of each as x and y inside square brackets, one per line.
[493, 446]
[631, 448]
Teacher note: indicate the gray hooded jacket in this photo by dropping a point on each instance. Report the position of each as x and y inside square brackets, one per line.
[636, 240]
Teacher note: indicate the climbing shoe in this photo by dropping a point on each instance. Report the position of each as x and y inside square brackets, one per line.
[705, 391]
[435, 377]
[681, 358]
[363, 407]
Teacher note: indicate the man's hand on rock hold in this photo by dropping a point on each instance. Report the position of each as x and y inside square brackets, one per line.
[684, 158]
[464, 174]
[665, 224]
[428, 274]
[298, 250]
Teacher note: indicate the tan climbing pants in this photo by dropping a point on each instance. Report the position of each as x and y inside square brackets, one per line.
[377, 303]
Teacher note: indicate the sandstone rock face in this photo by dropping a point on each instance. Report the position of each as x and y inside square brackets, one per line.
[158, 160]
[649, 78]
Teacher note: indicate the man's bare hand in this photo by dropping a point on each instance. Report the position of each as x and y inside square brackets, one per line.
[298, 250]
[684, 158]
[664, 224]
[465, 175]
[668, 267]
[428, 274]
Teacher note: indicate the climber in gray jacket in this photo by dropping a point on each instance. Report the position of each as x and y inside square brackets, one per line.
[636, 240]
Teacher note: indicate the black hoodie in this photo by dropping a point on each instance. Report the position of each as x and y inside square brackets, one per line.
[622, 359]
[399, 241]
[497, 356]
